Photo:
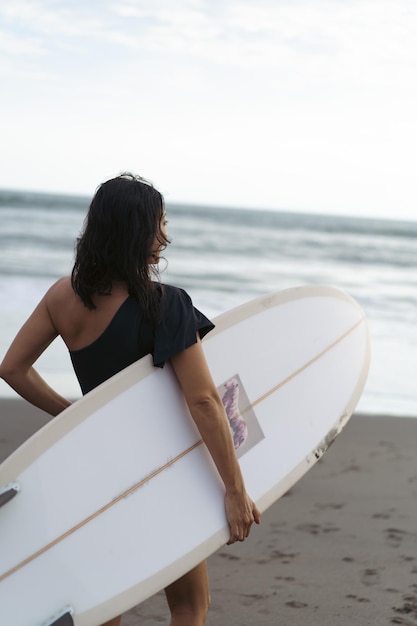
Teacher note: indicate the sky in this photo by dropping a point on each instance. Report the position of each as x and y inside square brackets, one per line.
[306, 105]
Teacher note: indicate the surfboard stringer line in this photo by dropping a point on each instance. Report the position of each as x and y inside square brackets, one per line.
[169, 463]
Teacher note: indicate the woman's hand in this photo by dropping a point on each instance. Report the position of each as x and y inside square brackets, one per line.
[34, 337]
[241, 513]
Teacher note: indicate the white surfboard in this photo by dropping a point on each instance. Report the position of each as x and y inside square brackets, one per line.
[117, 497]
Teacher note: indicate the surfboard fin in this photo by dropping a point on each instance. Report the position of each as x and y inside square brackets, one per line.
[64, 618]
[8, 492]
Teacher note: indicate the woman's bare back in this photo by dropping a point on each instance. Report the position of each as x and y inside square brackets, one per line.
[78, 325]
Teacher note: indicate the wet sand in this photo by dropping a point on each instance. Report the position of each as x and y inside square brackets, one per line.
[339, 549]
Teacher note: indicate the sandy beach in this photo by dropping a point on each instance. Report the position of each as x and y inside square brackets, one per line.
[339, 549]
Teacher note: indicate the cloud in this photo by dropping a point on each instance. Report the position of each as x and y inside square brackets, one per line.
[265, 34]
[14, 45]
[319, 91]
[319, 28]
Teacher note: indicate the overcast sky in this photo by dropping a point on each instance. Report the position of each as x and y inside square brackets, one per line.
[287, 104]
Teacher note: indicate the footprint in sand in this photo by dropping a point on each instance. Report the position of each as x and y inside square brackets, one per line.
[351, 596]
[285, 557]
[315, 529]
[406, 611]
[370, 577]
[403, 621]
[294, 604]
[229, 557]
[383, 514]
[247, 599]
[323, 506]
[394, 537]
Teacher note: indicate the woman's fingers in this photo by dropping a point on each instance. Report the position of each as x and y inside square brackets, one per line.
[241, 513]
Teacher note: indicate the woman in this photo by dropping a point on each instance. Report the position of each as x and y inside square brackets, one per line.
[110, 313]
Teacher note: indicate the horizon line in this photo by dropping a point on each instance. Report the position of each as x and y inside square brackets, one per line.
[201, 205]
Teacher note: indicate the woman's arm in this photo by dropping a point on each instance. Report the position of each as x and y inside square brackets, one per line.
[16, 369]
[207, 410]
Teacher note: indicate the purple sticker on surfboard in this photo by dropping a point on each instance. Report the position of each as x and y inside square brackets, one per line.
[244, 425]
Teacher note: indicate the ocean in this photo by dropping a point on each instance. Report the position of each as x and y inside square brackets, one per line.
[224, 257]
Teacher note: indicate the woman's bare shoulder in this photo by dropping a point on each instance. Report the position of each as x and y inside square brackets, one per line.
[61, 294]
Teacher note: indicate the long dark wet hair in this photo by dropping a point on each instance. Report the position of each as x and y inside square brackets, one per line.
[120, 230]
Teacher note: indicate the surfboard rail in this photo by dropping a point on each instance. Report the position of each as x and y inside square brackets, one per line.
[290, 368]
